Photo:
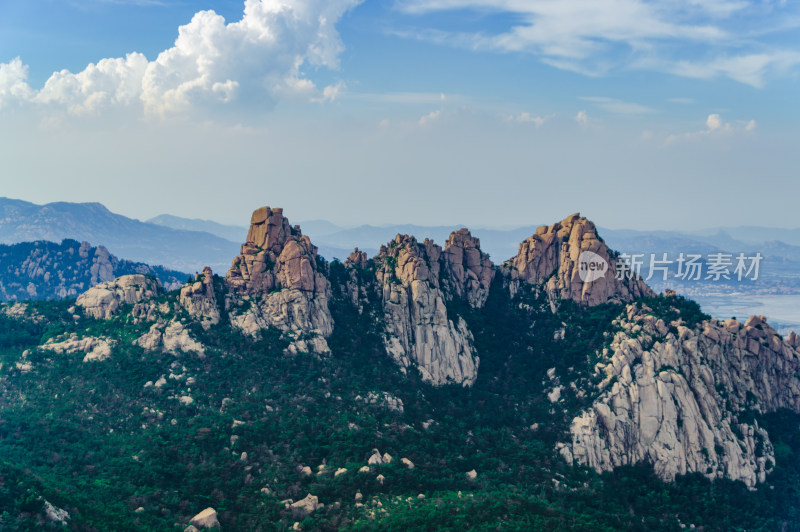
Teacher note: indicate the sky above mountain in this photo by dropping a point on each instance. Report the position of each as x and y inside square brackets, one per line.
[643, 114]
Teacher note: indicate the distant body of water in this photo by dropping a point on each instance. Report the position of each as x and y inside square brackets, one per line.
[782, 311]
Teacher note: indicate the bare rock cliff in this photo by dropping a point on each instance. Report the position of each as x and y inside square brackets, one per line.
[418, 331]
[672, 396]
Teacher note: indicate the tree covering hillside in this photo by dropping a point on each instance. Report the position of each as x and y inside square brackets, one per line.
[117, 445]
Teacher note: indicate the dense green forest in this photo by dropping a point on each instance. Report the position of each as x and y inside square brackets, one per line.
[116, 452]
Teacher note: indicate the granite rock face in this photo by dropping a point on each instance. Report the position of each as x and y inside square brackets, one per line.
[469, 270]
[105, 299]
[672, 395]
[276, 282]
[553, 256]
[418, 331]
[199, 300]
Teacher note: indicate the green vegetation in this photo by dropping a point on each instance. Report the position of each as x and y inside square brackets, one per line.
[670, 308]
[97, 441]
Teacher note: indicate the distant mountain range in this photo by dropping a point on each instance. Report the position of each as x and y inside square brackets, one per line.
[183, 250]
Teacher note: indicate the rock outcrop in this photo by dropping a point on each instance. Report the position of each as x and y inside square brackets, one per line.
[96, 349]
[199, 300]
[672, 395]
[172, 337]
[418, 331]
[205, 519]
[276, 282]
[553, 256]
[469, 271]
[305, 507]
[105, 299]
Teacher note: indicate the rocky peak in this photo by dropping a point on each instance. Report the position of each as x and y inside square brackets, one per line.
[470, 271]
[275, 256]
[553, 255]
[407, 260]
[357, 259]
[277, 271]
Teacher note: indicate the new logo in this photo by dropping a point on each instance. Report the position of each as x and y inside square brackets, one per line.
[591, 266]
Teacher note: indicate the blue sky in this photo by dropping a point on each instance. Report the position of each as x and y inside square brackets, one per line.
[646, 114]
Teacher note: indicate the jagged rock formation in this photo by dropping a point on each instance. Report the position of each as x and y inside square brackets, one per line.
[104, 300]
[46, 270]
[418, 331]
[199, 300]
[469, 270]
[552, 256]
[275, 282]
[672, 395]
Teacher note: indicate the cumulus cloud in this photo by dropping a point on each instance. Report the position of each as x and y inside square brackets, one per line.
[582, 118]
[14, 87]
[715, 126]
[257, 60]
[594, 37]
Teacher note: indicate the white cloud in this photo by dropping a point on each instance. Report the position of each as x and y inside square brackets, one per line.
[408, 98]
[257, 60]
[594, 37]
[13, 83]
[750, 69]
[109, 82]
[527, 118]
[715, 126]
[582, 118]
[613, 105]
[713, 122]
[430, 117]
[331, 92]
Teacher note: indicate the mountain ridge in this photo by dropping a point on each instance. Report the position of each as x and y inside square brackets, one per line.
[533, 388]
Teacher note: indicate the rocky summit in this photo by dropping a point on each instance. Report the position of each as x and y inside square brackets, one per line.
[276, 282]
[551, 257]
[531, 394]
